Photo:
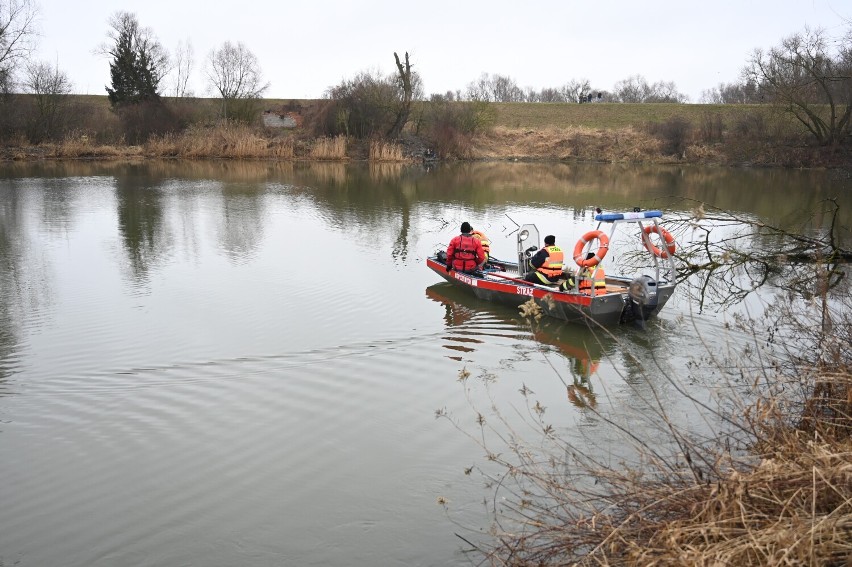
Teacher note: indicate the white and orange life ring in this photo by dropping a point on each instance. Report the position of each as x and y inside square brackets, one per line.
[603, 248]
[667, 238]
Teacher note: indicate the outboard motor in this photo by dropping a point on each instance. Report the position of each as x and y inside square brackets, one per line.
[641, 301]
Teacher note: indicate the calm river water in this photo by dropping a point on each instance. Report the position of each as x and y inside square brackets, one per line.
[222, 364]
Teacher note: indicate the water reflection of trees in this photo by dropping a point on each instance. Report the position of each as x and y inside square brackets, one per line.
[241, 228]
[144, 193]
[376, 198]
[777, 195]
[381, 199]
[140, 220]
[24, 282]
[9, 270]
[234, 171]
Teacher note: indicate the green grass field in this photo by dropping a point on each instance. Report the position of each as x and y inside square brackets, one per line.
[604, 116]
[615, 115]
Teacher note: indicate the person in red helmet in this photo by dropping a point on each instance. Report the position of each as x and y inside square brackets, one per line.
[465, 252]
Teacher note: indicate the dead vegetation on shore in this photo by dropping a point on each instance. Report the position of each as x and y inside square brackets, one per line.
[773, 487]
[604, 133]
[742, 456]
[229, 141]
[550, 144]
[572, 143]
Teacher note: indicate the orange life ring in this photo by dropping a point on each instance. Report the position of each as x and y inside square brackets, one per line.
[603, 248]
[665, 235]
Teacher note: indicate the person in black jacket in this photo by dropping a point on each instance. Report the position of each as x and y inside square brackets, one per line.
[547, 262]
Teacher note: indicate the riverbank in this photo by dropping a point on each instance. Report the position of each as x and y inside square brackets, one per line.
[772, 486]
[635, 145]
[759, 491]
[719, 135]
[546, 144]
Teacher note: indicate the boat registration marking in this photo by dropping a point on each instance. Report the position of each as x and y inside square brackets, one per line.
[466, 279]
[522, 290]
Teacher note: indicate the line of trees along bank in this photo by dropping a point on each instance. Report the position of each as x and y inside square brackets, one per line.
[808, 77]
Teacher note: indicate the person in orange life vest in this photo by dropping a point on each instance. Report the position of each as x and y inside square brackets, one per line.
[486, 244]
[568, 283]
[465, 252]
[590, 274]
[547, 263]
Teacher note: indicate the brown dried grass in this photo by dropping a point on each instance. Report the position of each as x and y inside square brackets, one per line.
[79, 145]
[623, 145]
[329, 148]
[794, 508]
[233, 141]
[381, 150]
[773, 489]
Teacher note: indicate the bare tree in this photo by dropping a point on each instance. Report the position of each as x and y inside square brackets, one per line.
[234, 72]
[184, 61]
[637, 89]
[665, 91]
[808, 81]
[406, 90]
[731, 93]
[574, 88]
[550, 95]
[17, 37]
[495, 88]
[49, 87]
[720, 261]
[478, 89]
[632, 89]
[505, 89]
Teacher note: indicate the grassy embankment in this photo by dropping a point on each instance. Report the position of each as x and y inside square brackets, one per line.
[653, 133]
[630, 133]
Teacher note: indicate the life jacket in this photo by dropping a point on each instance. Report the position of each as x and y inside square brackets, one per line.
[486, 243]
[586, 279]
[464, 255]
[552, 266]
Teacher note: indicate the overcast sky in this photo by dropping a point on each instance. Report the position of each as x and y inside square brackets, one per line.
[306, 46]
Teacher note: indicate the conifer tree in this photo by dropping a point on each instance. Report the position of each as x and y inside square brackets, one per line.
[138, 62]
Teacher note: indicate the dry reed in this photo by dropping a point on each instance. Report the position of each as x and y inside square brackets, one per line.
[774, 488]
[232, 141]
[329, 148]
[385, 151]
[794, 508]
[78, 145]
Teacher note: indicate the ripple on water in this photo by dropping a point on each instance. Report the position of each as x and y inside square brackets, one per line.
[130, 460]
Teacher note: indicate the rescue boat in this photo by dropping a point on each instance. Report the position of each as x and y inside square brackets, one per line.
[636, 297]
